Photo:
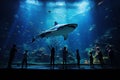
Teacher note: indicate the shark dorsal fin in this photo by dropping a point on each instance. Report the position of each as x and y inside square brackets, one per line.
[65, 36]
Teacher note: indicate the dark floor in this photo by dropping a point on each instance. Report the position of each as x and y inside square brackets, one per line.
[88, 74]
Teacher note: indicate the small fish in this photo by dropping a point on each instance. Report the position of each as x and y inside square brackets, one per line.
[16, 16]
[101, 2]
[19, 31]
[106, 9]
[49, 11]
[106, 17]
[92, 27]
[17, 26]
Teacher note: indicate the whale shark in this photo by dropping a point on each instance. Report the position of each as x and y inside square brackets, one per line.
[57, 30]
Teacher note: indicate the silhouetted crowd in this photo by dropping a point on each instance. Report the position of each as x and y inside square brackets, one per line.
[96, 50]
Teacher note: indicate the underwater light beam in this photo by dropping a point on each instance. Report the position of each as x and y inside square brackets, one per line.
[34, 2]
[83, 6]
[60, 3]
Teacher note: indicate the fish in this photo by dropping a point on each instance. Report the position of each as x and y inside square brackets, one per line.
[101, 2]
[57, 30]
[92, 27]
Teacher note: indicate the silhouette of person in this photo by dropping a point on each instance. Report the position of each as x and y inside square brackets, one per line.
[78, 58]
[100, 56]
[55, 23]
[52, 56]
[111, 55]
[65, 52]
[12, 55]
[24, 60]
[91, 60]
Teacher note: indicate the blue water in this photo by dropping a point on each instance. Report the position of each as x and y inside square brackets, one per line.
[33, 17]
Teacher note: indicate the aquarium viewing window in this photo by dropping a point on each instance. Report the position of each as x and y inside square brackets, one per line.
[38, 28]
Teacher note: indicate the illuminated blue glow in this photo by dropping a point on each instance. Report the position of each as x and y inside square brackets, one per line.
[56, 4]
[58, 13]
[82, 6]
[50, 4]
[60, 3]
[36, 18]
[34, 2]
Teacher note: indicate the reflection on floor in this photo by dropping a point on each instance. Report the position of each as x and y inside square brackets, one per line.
[60, 66]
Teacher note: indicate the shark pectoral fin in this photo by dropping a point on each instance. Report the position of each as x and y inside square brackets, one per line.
[65, 37]
[33, 40]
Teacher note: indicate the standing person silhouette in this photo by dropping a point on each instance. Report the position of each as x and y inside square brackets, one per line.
[12, 55]
[100, 56]
[52, 57]
[78, 58]
[91, 60]
[24, 60]
[65, 52]
[111, 55]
